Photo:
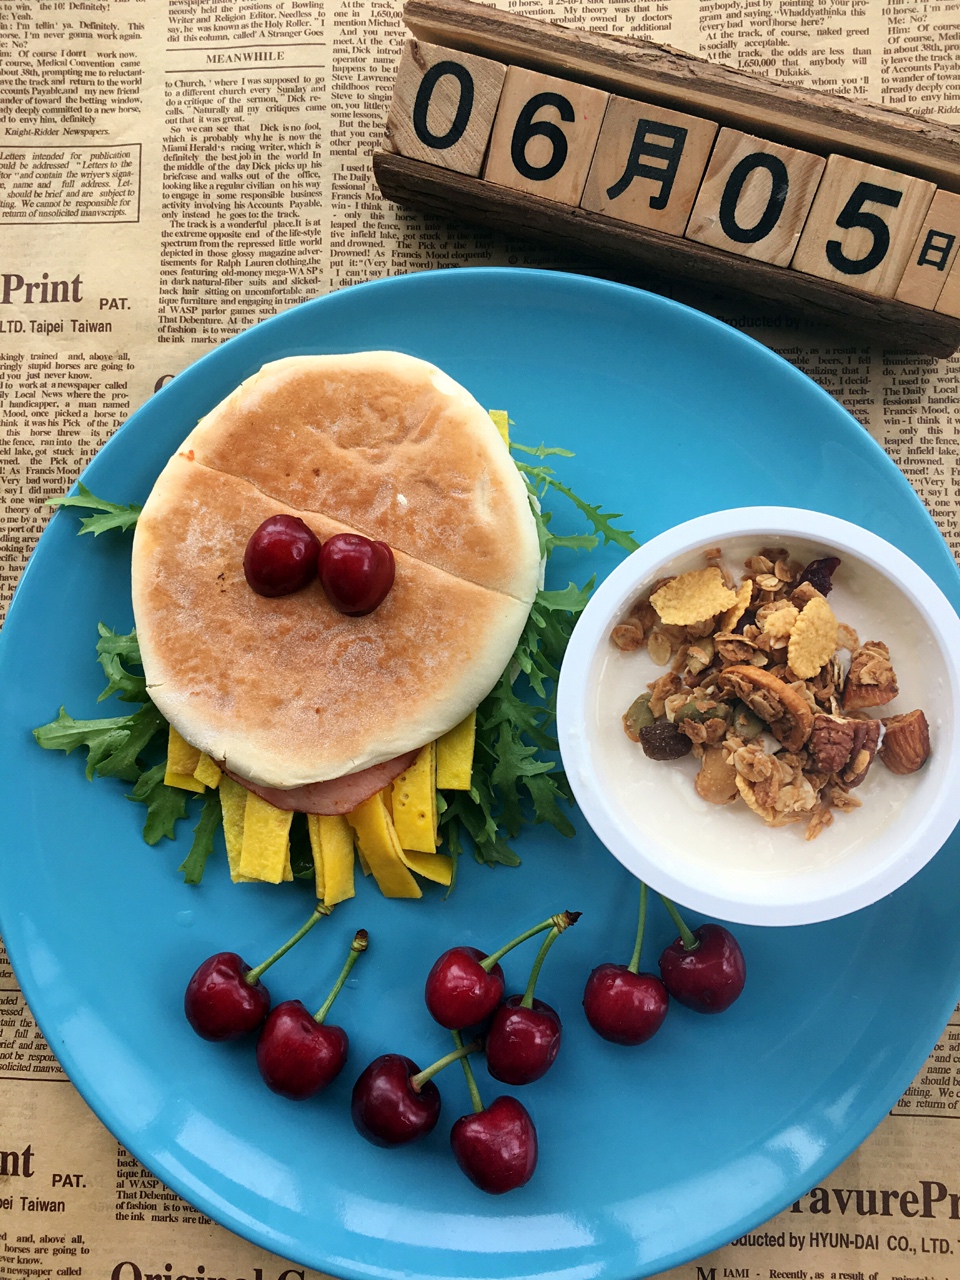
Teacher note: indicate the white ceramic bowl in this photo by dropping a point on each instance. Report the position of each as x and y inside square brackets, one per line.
[723, 860]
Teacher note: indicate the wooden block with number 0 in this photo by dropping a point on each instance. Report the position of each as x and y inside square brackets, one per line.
[863, 225]
[444, 103]
[544, 135]
[755, 197]
[648, 165]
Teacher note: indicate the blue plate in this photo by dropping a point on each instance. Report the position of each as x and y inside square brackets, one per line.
[649, 1156]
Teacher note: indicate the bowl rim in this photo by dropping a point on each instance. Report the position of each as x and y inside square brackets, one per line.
[607, 603]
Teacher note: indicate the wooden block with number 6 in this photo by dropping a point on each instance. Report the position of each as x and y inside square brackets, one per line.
[754, 197]
[863, 225]
[648, 165]
[544, 135]
[934, 253]
[444, 103]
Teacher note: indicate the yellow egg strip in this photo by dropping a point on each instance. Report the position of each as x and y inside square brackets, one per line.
[331, 839]
[206, 771]
[455, 755]
[414, 803]
[377, 837]
[265, 852]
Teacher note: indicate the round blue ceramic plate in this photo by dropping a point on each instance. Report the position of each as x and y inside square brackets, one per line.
[649, 1156]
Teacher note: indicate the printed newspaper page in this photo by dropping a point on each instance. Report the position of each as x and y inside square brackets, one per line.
[173, 171]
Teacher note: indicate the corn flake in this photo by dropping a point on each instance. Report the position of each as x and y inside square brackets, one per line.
[739, 606]
[693, 597]
[813, 638]
[780, 621]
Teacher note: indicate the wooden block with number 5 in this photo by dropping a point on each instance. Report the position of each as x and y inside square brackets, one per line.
[544, 135]
[648, 165]
[443, 106]
[863, 225]
[755, 197]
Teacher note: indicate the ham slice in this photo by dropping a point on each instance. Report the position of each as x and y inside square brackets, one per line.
[335, 795]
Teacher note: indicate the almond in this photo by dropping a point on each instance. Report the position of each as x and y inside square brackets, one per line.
[906, 742]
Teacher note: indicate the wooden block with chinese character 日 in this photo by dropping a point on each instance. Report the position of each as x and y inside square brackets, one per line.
[544, 135]
[863, 225]
[755, 197]
[934, 253]
[444, 103]
[648, 165]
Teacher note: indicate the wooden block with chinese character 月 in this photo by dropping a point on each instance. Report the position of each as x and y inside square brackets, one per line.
[545, 135]
[444, 103]
[934, 253]
[755, 197]
[863, 225]
[648, 165]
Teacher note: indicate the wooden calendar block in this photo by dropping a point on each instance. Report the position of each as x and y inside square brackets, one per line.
[444, 103]
[934, 252]
[544, 135]
[648, 165]
[948, 303]
[755, 197]
[863, 225]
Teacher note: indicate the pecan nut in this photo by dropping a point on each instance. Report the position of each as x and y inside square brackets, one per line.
[906, 742]
[871, 680]
[773, 700]
[843, 746]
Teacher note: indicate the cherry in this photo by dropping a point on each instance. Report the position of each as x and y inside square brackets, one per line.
[465, 986]
[395, 1102]
[297, 1054]
[496, 1146]
[225, 997]
[281, 556]
[523, 1041]
[703, 969]
[524, 1037]
[621, 1004]
[356, 574]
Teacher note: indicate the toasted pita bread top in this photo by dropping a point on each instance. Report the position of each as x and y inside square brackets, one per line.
[286, 690]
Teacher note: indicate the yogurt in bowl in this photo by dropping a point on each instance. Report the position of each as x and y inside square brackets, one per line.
[723, 860]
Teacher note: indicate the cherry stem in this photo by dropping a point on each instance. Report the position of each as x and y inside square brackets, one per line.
[559, 922]
[420, 1079]
[634, 964]
[358, 944]
[475, 1099]
[690, 943]
[549, 940]
[319, 912]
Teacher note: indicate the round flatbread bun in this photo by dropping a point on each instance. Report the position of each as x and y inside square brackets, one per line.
[287, 691]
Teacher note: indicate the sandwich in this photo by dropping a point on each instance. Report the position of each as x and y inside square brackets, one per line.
[310, 708]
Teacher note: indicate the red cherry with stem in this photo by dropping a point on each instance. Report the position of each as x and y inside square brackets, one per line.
[704, 968]
[621, 1004]
[298, 1054]
[225, 997]
[356, 574]
[495, 1146]
[465, 986]
[394, 1102]
[524, 1037]
[281, 556]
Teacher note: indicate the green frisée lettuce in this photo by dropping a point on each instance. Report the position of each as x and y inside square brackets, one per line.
[516, 777]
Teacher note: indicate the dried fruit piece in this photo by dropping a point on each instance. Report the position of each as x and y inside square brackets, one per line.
[784, 710]
[871, 680]
[693, 597]
[906, 742]
[664, 741]
[813, 638]
[819, 573]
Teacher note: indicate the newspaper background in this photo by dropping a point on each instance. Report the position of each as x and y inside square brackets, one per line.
[191, 167]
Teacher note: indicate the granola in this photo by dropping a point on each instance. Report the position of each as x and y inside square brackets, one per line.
[760, 691]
